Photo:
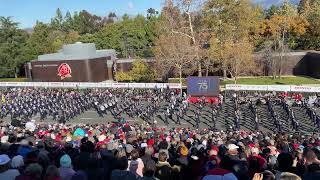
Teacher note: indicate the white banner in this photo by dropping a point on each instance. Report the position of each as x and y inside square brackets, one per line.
[55, 84]
[153, 85]
[173, 85]
[137, 85]
[257, 87]
[90, 85]
[87, 85]
[39, 84]
[30, 84]
[283, 88]
[23, 84]
[304, 89]
[234, 87]
[120, 85]
[316, 89]
[71, 84]
[13, 84]
[238, 87]
[104, 85]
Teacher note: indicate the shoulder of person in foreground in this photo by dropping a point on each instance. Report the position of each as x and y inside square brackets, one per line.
[220, 174]
[10, 173]
[122, 175]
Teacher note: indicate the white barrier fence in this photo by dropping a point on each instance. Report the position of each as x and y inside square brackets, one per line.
[287, 88]
[89, 85]
[235, 87]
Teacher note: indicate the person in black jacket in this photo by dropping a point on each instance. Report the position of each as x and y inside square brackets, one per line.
[121, 173]
[164, 171]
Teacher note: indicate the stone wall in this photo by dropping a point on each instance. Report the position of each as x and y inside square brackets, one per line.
[309, 65]
[294, 63]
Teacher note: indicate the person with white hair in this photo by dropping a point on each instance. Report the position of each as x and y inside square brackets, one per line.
[17, 162]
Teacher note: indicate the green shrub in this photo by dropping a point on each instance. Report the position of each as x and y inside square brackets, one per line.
[123, 77]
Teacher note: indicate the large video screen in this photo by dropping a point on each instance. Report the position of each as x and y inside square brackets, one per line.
[203, 86]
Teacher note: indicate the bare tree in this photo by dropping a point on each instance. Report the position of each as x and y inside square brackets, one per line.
[174, 51]
[268, 58]
[180, 19]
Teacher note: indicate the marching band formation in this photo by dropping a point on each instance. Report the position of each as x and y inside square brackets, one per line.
[153, 105]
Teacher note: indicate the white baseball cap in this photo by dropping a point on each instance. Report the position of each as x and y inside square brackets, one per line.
[232, 146]
[143, 145]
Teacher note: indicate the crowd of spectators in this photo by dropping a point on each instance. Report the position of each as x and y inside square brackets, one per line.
[122, 151]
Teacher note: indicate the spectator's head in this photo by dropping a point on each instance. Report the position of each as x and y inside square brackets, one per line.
[24, 142]
[233, 149]
[52, 172]
[310, 157]
[65, 161]
[149, 168]
[17, 161]
[134, 154]
[4, 162]
[129, 148]
[34, 170]
[163, 157]
[40, 145]
[183, 151]
[254, 151]
[121, 153]
[87, 146]
[285, 161]
[43, 159]
[149, 151]
[268, 175]
[272, 161]
[213, 151]
[316, 150]
[289, 176]
[163, 145]
[31, 157]
[122, 163]
[227, 163]
[254, 164]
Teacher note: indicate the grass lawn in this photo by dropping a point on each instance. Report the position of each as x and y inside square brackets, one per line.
[297, 80]
[14, 79]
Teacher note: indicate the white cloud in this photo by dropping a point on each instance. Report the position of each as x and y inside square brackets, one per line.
[130, 5]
